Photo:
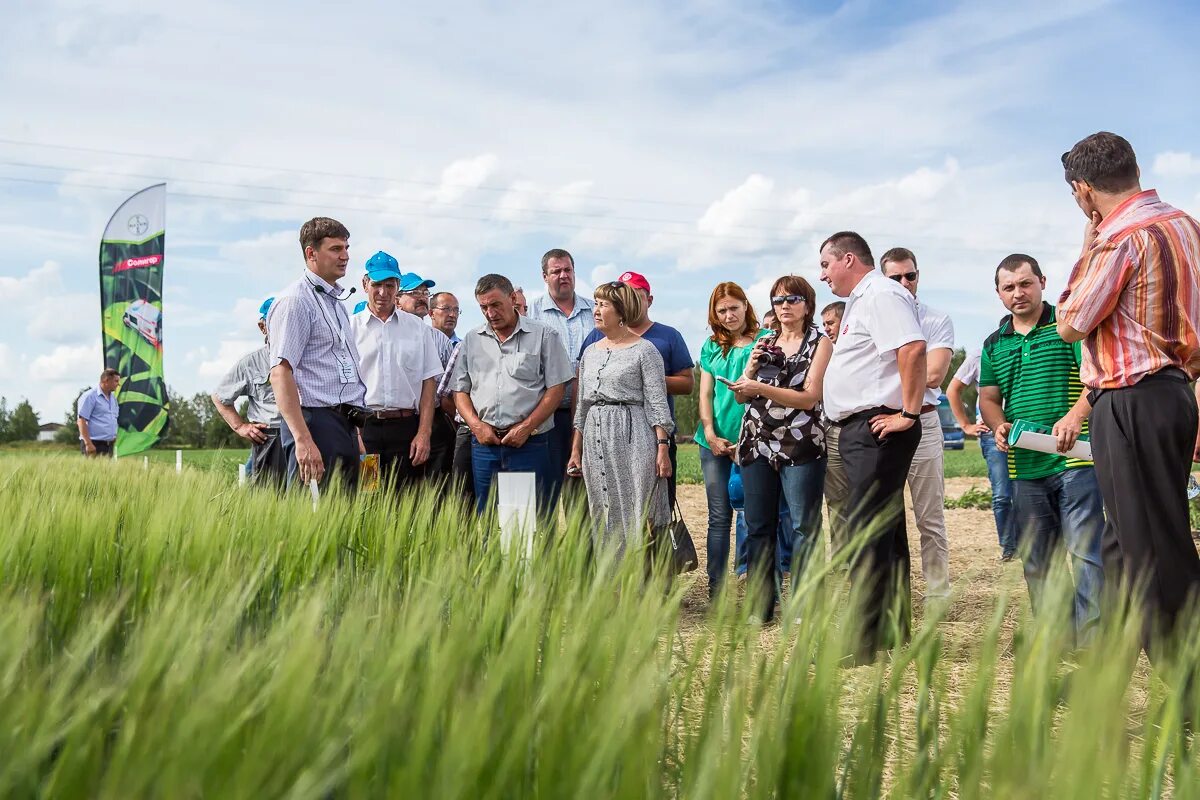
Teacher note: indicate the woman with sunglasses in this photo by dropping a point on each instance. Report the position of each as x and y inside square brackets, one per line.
[622, 425]
[781, 450]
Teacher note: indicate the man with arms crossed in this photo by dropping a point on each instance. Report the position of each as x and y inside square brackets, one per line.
[508, 380]
[873, 391]
[251, 378]
[570, 316]
[399, 365]
[314, 360]
[97, 411]
[1133, 298]
[927, 476]
[997, 459]
[1028, 372]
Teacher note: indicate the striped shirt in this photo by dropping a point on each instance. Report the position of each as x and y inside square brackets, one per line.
[1136, 293]
[1038, 377]
[309, 328]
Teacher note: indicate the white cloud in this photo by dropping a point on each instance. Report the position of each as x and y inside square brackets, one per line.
[73, 364]
[64, 318]
[31, 287]
[1176, 165]
[464, 175]
[210, 369]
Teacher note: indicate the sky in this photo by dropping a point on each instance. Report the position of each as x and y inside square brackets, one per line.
[692, 142]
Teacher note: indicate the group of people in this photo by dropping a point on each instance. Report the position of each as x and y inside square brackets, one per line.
[835, 406]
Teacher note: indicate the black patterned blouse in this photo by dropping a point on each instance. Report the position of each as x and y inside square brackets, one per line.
[783, 435]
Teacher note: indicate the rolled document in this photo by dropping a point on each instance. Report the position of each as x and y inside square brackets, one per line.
[1032, 436]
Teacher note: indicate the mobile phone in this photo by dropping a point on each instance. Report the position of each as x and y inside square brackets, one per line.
[724, 380]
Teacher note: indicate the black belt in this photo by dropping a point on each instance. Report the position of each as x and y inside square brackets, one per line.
[355, 415]
[1174, 374]
[868, 414]
[393, 413]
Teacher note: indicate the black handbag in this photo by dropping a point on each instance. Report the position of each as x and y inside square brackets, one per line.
[675, 539]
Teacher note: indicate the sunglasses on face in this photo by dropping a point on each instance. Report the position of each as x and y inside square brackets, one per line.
[790, 299]
[904, 276]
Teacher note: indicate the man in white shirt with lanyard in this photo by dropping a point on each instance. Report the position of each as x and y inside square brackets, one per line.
[927, 475]
[873, 391]
[400, 367]
[314, 362]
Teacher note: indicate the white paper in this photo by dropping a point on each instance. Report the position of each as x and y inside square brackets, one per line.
[241, 474]
[517, 496]
[179, 461]
[315, 492]
[1045, 443]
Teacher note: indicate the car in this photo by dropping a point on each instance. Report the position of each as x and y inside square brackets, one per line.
[146, 319]
[952, 432]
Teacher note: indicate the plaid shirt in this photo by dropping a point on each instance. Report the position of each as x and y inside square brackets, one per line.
[1136, 293]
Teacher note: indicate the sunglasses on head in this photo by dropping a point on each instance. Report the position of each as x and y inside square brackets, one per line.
[904, 276]
[791, 299]
[615, 285]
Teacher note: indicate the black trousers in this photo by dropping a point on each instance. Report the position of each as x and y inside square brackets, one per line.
[336, 440]
[391, 440]
[1142, 440]
[103, 448]
[464, 475]
[442, 443]
[269, 460]
[876, 470]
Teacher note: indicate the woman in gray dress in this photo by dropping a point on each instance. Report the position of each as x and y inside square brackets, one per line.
[621, 425]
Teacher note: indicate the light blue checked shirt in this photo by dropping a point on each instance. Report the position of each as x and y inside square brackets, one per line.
[310, 329]
[571, 330]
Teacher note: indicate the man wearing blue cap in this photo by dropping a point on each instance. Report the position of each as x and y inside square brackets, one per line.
[399, 365]
[250, 377]
[414, 298]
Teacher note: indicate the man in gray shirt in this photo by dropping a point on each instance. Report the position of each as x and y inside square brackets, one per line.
[251, 378]
[508, 380]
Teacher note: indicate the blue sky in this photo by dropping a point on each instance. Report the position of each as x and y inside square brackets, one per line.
[695, 143]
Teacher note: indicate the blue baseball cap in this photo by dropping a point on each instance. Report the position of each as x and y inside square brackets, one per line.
[382, 266]
[265, 307]
[411, 280]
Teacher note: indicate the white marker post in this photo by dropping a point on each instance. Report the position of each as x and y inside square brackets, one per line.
[315, 492]
[145, 462]
[517, 496]
[179, 461]
[241, 474]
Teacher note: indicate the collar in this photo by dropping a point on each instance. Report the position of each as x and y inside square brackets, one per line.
[316, 280]
[1127, 207]
[582, 304]
[1048, 317]
[866, 281]
[486, 329]
[394, 318]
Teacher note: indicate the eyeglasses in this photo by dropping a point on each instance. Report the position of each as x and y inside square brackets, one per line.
[448, 309]
[904, 276]
[416, 292]
[790, 299]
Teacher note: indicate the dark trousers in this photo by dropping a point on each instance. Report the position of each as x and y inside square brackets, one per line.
[269, 462]
[442, 443]
[673, 454]
[560, 437]
[1142, 440]
[463, 475]
[335, 439]
[876, 469]
[103, 448]
[392, 440]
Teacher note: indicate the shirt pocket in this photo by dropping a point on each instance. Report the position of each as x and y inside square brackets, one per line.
[522, 367]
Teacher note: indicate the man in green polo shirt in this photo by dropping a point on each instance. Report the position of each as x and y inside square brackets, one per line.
[1027, 372]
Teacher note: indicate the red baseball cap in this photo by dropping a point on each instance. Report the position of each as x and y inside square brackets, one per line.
[636, 280]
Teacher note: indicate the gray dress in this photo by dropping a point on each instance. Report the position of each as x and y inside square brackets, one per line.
[622, 395]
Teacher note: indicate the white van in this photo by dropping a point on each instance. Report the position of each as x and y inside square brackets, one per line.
[146, 320]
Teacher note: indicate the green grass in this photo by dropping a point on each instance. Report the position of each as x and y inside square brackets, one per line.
[169, 635]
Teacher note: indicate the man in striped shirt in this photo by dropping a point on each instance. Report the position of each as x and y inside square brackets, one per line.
[1028, 372]
[1133, 298]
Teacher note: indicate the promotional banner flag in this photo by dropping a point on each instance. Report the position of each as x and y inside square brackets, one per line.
[131, 264]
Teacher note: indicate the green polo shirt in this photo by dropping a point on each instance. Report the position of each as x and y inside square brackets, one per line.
[1038, 377]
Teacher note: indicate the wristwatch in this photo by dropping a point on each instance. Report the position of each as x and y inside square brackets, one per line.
[909, 415]
[664, 441]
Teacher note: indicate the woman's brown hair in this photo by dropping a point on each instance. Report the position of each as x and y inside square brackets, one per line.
[625, 300]
[794, 284]
[721, 335]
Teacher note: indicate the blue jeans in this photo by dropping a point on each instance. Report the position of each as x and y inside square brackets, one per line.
[1065, 507]
[488, 459]
[997, 467]
[559, 452]
[802, 486]
[783, 539]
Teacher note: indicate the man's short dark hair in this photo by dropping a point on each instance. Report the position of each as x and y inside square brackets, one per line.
[838, 307]
[1013, 263]
[1104, 161]
[898, 254]
[317, 229]
[844, 242]
[493, 281]
[109, 373]
[557, 252]
[433, 298]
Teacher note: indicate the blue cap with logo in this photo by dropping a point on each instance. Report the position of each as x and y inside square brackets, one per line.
[410, 281]
[265, 307]
[382, 266]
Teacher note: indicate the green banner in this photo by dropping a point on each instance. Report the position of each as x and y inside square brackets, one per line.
[131, 263]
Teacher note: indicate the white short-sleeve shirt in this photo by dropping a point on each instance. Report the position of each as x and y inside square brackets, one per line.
[394, 358]
[939, 333]
[880, 318]
[968, 370]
